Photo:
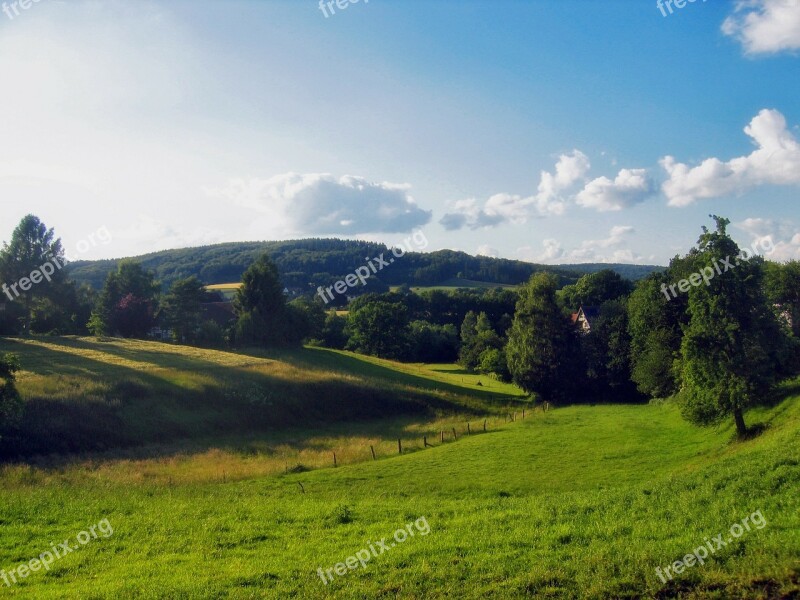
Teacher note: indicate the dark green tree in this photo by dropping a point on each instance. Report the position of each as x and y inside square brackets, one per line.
[311, 313]
[181, 309]
[432, 343]
[127, 304]
[542, 346]
[594, 289]
[656, 320]
[730, 348]
[333, 331]
[31, 268]
[606, 350]
[263, 317]
[493, 361]
[379, 328]
[476, 338]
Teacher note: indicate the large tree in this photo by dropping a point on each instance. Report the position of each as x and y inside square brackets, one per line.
[594, 289]
[656, 320]
[542, 349]
[730, 348]
[379, 328]
[31, 267]
[606, 350]
[181, 308]
[477, 335]
[262, 314]
[126, 306]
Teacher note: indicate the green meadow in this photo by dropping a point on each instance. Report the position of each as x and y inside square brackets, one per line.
[215, 471]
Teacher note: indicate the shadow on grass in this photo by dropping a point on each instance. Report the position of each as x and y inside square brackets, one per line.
[330, 359]
[83, 404]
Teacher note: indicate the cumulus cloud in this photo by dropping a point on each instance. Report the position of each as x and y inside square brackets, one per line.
[570, 169]
[487, 250]
[605, 250]
[630, 187]
[776, 161]
[321, 204]
[765, 26]
[782, 235]
[550, 198]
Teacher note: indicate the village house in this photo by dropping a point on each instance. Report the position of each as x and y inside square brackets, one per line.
[584, 317]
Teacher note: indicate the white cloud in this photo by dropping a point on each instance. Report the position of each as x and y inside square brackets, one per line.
[487, 250]
[765, 234]
[570, 169]
[605, 250]
[630, 187]
[550, 198]
[776, 161]
[765, 26]
[321, 204]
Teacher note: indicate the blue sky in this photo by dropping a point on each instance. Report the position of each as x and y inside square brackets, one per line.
[552, 131]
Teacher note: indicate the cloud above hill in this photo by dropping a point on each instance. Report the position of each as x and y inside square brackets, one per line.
[557, 190]
[321, 204]
[606, 250]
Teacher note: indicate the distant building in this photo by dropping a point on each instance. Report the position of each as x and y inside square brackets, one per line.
[159, 333]
[584, 317]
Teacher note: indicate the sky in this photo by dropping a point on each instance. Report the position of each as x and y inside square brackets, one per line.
[552, 131]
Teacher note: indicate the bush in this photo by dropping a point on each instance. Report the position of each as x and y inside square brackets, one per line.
[10, 400]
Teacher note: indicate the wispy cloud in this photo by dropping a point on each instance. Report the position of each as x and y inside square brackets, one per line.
[605, 250]
[783, 235]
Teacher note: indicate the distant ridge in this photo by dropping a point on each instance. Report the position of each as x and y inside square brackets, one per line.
[308, 263]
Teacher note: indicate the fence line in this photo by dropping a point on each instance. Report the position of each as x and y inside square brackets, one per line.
[507, 418]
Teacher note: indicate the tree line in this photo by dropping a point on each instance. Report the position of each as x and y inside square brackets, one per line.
[719, 347]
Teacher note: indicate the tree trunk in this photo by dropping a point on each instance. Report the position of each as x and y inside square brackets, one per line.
[741, 428]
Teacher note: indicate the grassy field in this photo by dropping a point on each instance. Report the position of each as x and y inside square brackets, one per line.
[239, 414]
[576, 502]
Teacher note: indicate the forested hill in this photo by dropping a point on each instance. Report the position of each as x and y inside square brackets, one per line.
[308, 263]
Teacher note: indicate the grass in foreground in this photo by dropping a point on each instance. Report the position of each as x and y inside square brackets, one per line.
[579, 502]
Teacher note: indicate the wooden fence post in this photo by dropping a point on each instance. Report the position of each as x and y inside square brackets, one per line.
[334, 459]
[454, 434]
[484, 426]
[399, 446]
[468, 430]
[372, 449]
[441, 433]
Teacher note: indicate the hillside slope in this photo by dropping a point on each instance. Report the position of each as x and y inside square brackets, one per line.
[578, 502]
[82, 394]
